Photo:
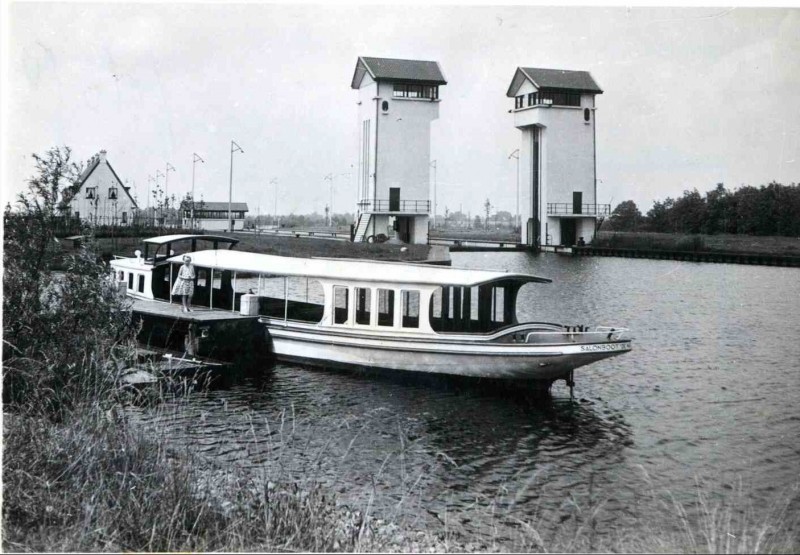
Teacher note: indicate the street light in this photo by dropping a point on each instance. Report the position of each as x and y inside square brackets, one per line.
[433, 164]
[195, 159]
[515, 154]
[330, 177]
[150, 179]
[159, 174]
[166, 185]
[234, 148]
[274, 181]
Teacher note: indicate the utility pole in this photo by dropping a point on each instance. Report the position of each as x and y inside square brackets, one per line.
[234, 148]
[488, 206]
[195, 159]
[160, 206]
[274, 181]
[329, 213]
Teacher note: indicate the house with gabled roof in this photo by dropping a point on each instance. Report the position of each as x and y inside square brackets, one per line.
[98, 196]
[555, 111]
[397, 102]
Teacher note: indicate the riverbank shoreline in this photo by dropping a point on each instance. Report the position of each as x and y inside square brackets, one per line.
[726, 249]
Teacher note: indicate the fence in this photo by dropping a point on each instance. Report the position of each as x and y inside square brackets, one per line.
[101, 226]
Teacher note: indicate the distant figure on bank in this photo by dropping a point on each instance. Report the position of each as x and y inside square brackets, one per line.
[184, 285]
[581, 242]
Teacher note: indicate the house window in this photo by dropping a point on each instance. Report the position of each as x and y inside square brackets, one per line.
[385, 105]
[90, 192]
[531, 99]
[77, 215]
[124, 217]
[586, 114]
[112, 193]
[518, 101]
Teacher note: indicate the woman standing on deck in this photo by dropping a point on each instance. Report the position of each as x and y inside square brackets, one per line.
[184, 285]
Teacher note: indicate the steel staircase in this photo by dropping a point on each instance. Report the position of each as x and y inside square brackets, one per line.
[362, 227]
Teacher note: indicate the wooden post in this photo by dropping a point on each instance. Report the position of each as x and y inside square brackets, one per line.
[233, 293]
[170, 283]
[285, 299]
[211, 291]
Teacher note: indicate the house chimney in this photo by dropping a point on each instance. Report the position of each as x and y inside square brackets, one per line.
[102, 155]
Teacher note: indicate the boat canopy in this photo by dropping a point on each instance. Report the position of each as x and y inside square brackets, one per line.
[351, 269]
[164, 239]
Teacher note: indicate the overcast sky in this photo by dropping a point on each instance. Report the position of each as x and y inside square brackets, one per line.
[692, 97]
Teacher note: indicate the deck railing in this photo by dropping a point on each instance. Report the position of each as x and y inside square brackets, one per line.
[386, 205]
[565, 208]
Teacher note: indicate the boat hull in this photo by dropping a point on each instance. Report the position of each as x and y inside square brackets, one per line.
[461, 358]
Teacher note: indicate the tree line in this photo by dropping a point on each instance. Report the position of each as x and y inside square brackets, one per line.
[772, 209]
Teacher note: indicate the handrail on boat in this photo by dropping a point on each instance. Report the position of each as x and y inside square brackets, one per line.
[612, 333]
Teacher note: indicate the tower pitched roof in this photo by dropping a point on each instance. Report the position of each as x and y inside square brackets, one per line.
[391, 69]
[578, 81]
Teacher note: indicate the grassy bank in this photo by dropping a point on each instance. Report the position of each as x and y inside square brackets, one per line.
[476, 234]
[289, 246]
[723, 243]
[95, 483]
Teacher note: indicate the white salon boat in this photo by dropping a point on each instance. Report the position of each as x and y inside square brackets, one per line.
[388, 315]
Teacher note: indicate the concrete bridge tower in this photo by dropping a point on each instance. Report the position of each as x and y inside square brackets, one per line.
[555, 111]
[397, 101]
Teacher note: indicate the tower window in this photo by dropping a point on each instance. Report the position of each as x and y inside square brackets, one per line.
[385, 105]
[405, 90]
[586, 114]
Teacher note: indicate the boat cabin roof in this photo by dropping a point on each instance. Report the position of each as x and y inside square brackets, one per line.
[163, 239]
[351, 269]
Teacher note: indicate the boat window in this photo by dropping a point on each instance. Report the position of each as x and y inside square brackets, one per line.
[141, 283]
[498, 306]
[121, 276]
[472, 309]
[340, 295]
[201, 278]
[473, 305]
[410, 309]
[363, 299]
[130, 281]
[305, 301]
[385, 307]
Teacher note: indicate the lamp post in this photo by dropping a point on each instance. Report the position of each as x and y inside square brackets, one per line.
[274, 181]
[161, 208]
[234, 148]
[515, 154]
[330, 177]
[195, 159]
[169, 168]
[150, 179]
[433, 164]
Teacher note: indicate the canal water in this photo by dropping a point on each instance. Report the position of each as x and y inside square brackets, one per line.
[704, 413]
